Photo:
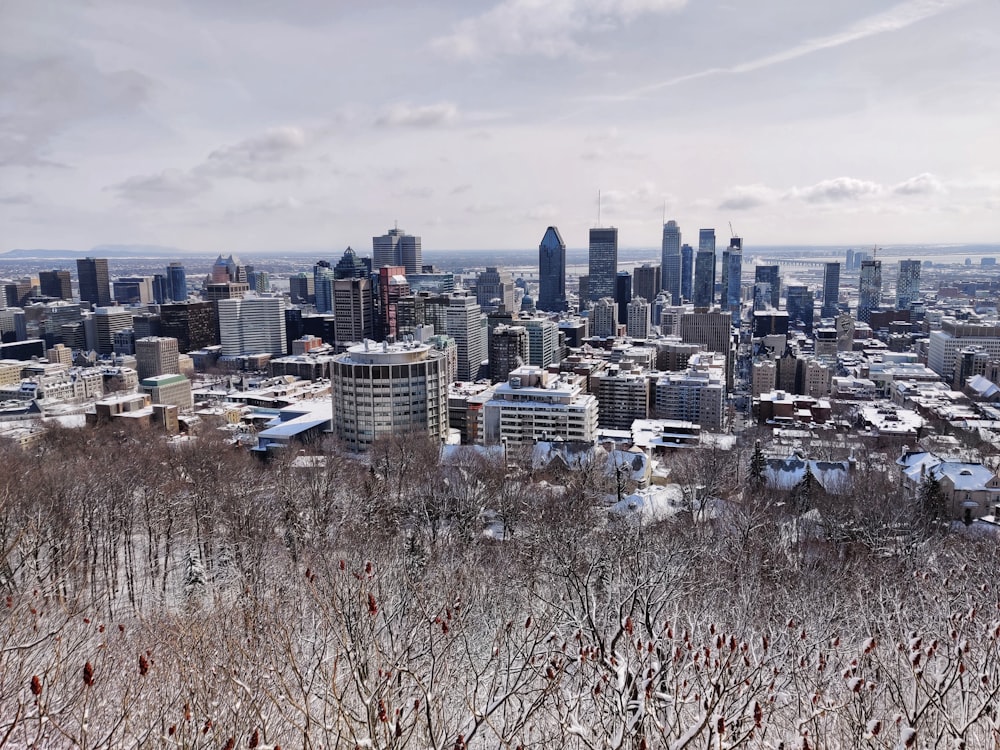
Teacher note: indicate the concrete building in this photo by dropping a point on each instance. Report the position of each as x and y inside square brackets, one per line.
[397, 248]
[697, 395]
[56, 284]
[495, 287]
[638, 324]
[192, 323]
[107, 321]
[543, 341]
[534, 405]
[508, 350]
[353, 311]
[944, 346]
[156, 355]
[714, 331]
[174, 390]
[379, 390]
[646, 281]
[603, 263]
[603, 318]
[622, 396]
[253, 325]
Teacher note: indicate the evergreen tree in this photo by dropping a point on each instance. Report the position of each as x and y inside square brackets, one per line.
[194, 577]
[931, 497]
[757, 465]
[804, 492]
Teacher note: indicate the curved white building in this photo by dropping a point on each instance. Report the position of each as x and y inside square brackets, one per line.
[388, 389]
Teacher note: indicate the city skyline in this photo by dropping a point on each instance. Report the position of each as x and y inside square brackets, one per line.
[456, 136]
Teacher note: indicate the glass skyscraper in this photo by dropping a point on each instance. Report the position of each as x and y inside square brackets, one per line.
[687, 271]
[670, 260]
[869, 289]
[907, 284]
[603, 262]
[704, 278]
[177, 282]
[831, 290]
[551, 272]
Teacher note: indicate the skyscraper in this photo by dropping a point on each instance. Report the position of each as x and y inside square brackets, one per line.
[638, 324]
[551, 272]
[495, 287]
[350, 266]
[302, 288]
[55, 284]
[769, 275]
[800, 305]
[704, 277]
[831, 290]
[252, 325]
[646, 281]
[95, 284]
[687, 271]
[869, 289]
[353, 311]
[156, 355]
[397, 248]
[323, 278]
[907, 284]
[603, 263]
[706, 240]
[177, 282]
[623, 294]
[670, 260]
[732, 277]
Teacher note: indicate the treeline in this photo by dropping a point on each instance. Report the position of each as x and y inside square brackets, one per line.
[192, 596]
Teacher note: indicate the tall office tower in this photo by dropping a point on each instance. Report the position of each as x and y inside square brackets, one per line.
[849, 261]
[397, 248]
[107, 321]
[156, 355]
[800, 307]
[494, 288]
[55, 284]
[252, 325]
[392, 287]
[638, 325]
[908, 284]
[301, 289]
[714, 331]
[350, 266]
[58, 314]
[238, 271]
[508, 351]
[583, 293]
[551, 272]
[869, 289]
[192, 323]
[831, 290]
[398, 389]
[161, 288]
[177, 281]
[225, 290]
[670, 261]
[603, 318]
[543, 341]
[704, 278]
[95, 284]
[706, 240]
[145, 325]
[466, 323]
[323, 278]
[18, 293]
[353, 311]
[687, 272]
[732, 277]
[623, 294]
[603, 263]
[646, 281]
[769, 275]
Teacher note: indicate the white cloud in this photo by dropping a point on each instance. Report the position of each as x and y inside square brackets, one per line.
[168, 186]
[837, 189]
[543, 28]
[922, 184]
[426, 116]
[262, 157]
[743, 197]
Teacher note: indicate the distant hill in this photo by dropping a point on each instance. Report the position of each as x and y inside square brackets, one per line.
[100, 251]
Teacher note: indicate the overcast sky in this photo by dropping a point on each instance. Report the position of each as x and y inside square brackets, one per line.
[245, 125]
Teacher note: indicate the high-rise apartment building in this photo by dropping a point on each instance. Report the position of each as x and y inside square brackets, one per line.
[543, 341]
[55, 284]
[646, 281]
[381, 390]
[551, 272]
[392, 287]
[603, 318]
[397, 248]
[670, 261]
[687, 272]
[508, 351]
[907, 284]
[95, 283]
[252, 325]
[831, 290]
[353, 311]
[869, 289]
[638, 325]
[156, 355]
[603, 267]
[704, 278]
[945, 345]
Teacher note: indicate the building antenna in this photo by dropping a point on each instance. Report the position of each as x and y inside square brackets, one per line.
[598, 207]
[732, 233]
[664, 212]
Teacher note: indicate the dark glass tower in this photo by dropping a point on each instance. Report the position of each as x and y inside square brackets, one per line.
[704, 278]
[551, 272]
[623, 295]
[831, 290]
[687, 271]
[95, 283]
[907, 284]
[670, 260]
[603, 263]
[177, 282]
[769, 275]
[869, 289]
